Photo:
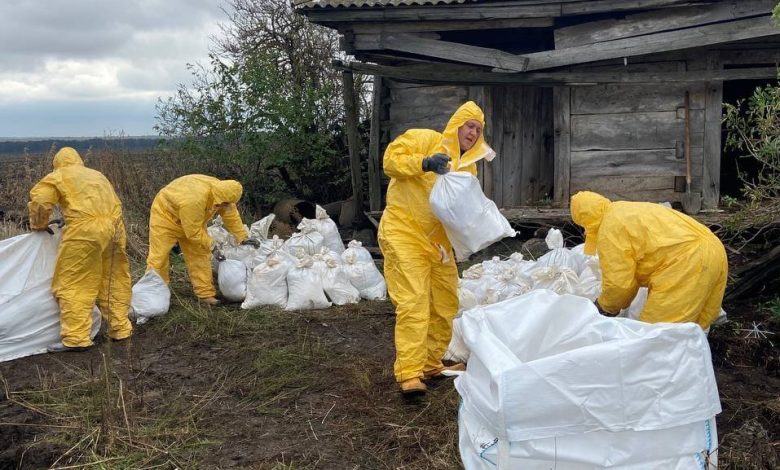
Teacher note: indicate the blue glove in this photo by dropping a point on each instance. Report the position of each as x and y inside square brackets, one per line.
[436, 163]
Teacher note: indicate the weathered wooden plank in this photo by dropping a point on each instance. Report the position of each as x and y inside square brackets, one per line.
[562, 144]
[751, 56]
[423, 26]
[440, 75]
[489, 133]
[374, 157]
[587, 164]
[629, 188]
[633, 130]
[619, 98]
[437, 13]
[531, 149]
[350, 107]
[426, 96]
[452, 51]
[547, 160]
[600, 6]
[651, 43]
[657, 21]
[498, 95]
[712, 140]
[512, 146]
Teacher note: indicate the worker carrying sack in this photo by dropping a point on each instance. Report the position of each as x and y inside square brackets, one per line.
[151, 297]
[471, 220]
[537, 395]
[29, 313]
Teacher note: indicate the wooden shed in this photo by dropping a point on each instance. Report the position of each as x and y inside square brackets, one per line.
[577, 94]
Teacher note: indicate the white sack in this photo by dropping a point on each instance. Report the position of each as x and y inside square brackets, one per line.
[267, 284]
[222, 238]
[29, 314]
[329, 231]
[307, 240]
[466, 299]
[151, 297]
[589, 282]
[537, 390]
[259, 229]
[366, 278]
[243, 253]
[336, 284]
[457, 351]
[355, 252]
[471, 220]
[560, 280]
[305, 287]
[232, 278]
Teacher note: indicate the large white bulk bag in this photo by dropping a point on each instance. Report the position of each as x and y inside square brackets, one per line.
[151, 297]
[29, 313]
[305, 287]
[232, 277]
[471, 220]
[537, 395]
[267, 284]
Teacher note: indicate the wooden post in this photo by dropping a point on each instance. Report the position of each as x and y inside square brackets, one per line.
[374, 171]
[712, 137]
[562, 144]
[353, 140]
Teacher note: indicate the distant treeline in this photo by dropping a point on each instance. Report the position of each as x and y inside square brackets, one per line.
[41, 146]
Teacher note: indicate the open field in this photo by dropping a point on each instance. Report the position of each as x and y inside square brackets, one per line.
[265, 389]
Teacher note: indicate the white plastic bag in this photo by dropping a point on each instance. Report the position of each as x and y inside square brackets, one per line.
[29, 314]
[457, 351]
[471, 220]
[329, 231]
[336, 284]
[259, 230]
[151, 297]
[537, 395]
[559, 256]
[589, 283]
[267, 284]
[222, 238]
[305, 287]
[355, 252]
[243, 253]
[365, 276]
[232, 278]
[308, 239]
[560, 280]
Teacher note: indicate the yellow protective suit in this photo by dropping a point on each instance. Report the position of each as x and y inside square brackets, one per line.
[641, 244]
[179, 213]
[422, 278]
[92, 263]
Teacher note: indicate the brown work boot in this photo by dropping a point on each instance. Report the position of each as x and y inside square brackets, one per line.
[438, 373]
[413, 387]
[210, 301]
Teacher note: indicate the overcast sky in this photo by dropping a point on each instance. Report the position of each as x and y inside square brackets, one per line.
[73, 68]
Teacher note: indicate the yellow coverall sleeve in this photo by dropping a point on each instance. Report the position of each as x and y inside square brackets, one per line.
[403, 157]
[231, 219]
[192, 220]
[618, 267]
[43, 197]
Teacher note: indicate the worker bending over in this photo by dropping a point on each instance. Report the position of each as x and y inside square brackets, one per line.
[179, 214]
[641, 244]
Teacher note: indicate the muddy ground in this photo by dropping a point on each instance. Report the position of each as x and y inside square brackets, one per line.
[216, 388]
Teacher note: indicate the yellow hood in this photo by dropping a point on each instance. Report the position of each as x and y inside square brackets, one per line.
[227, 191]
[67, 156]
[450, 144]
[587, 211]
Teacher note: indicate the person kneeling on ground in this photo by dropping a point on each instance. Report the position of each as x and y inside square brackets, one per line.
[422, 278]
[179, 214]
[641, 244]
[92, 262]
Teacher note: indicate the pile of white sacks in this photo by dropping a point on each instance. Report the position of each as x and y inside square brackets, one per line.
[312, 269]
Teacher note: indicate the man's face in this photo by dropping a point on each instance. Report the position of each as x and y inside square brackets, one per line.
[468, 134]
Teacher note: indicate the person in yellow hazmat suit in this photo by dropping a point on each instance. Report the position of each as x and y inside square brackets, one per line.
[179, 214]
[422, 278]
[641, 244]
[92, 262]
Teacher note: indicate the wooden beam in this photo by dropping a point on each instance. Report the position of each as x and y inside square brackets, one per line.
[436, 26]
[601, 6]
[712, 138]
[428, 13]
[562, 145]
[657, 21]
[452, 51]
[659, 42]
[458, 74]
[374, 155]
[353, 139]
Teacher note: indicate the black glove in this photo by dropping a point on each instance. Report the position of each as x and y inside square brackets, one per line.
[252, 242]
[436, 163]
[58, 222]
[218, 254]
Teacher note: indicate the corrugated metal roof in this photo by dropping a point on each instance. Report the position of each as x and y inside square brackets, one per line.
[307, 4]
